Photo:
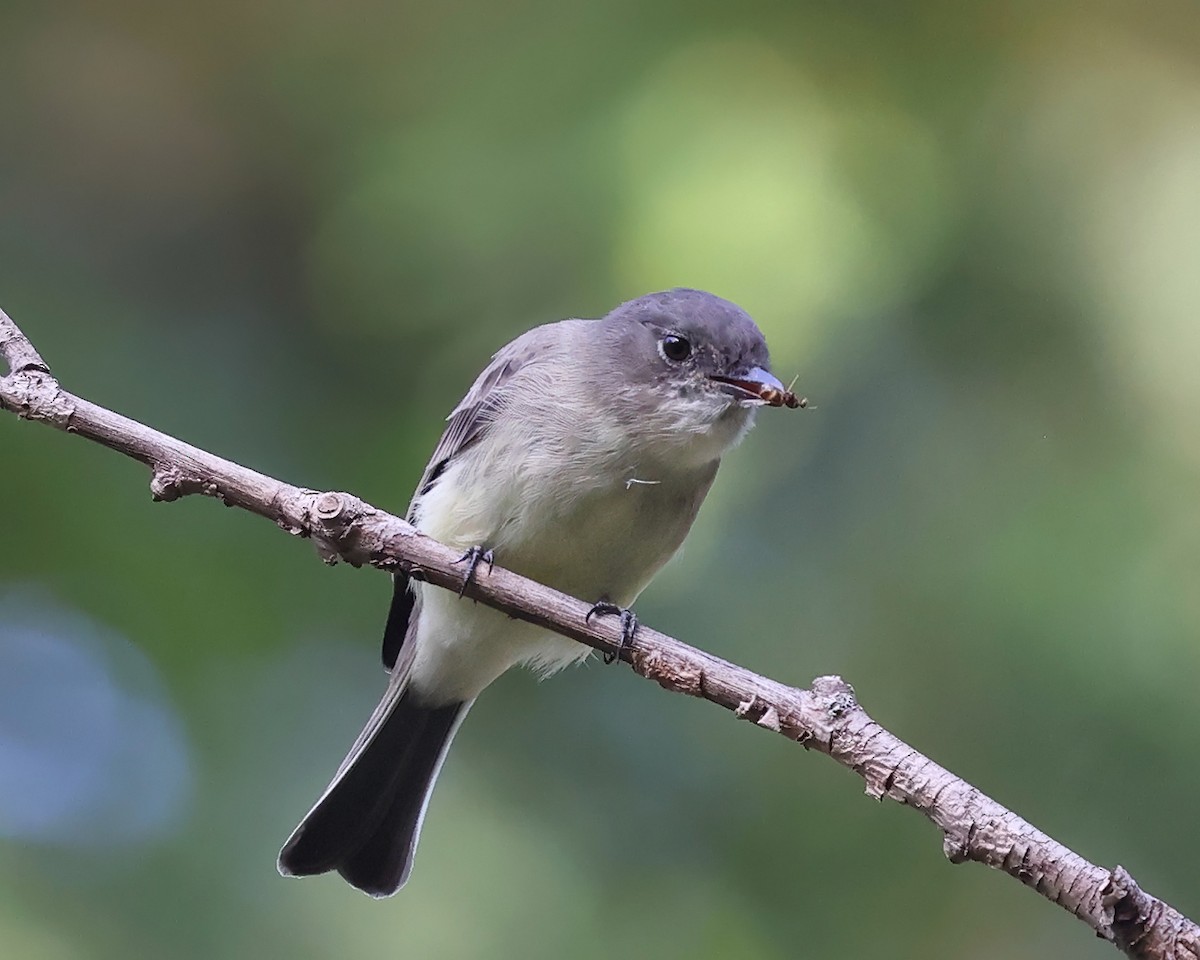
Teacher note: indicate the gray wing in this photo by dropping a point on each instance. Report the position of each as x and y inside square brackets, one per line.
[466, 425]
[469, 421]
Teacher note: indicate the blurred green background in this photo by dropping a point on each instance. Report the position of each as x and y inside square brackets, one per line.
[293, 233]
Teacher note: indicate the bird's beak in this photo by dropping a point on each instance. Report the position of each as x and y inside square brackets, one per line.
[756, 384]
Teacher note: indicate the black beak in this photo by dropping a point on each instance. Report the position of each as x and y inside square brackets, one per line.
[757, 384]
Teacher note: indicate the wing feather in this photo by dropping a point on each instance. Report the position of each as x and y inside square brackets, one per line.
[467, 424]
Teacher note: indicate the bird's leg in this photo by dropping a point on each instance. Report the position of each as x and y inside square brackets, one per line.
[473, 558]
[629, 624]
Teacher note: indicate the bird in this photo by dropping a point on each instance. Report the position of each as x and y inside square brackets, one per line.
[579, 458]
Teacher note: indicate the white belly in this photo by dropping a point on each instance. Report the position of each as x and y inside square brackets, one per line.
[564, 529]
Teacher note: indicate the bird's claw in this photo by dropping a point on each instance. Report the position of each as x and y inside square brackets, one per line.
[473, 558]
[629, 625]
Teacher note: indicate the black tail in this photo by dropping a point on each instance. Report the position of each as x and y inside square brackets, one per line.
[367, 822]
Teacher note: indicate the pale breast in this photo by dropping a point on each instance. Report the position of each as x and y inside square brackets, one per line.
[571, 531]
[585, 525]
[573, 503]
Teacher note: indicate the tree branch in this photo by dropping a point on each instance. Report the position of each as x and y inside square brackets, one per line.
[826, 717]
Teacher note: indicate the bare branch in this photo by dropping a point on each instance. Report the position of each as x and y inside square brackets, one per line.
[826, 717]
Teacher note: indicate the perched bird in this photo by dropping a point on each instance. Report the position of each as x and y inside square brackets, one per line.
[578, 458]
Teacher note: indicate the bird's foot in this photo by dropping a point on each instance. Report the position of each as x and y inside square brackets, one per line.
[629, 625]
[473, 558]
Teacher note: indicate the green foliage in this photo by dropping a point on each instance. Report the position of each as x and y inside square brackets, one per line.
[293, 234]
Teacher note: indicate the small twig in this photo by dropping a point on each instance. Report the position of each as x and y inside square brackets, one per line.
[826, 717]
[16, 349]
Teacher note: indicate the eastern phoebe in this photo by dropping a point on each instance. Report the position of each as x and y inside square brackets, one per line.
[580, 457]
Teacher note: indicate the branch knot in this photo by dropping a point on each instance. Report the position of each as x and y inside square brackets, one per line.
[835, 695]
[328, 507]
[32, 394]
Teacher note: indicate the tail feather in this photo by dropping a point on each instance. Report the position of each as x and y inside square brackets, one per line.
[381, 865]
[367, 822]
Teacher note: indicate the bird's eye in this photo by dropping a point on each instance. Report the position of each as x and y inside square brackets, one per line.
[675, 347]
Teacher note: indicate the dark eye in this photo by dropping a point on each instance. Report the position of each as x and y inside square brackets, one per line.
[675, 347]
